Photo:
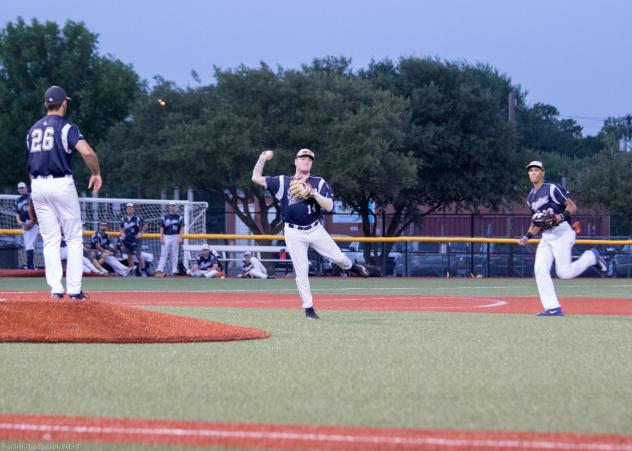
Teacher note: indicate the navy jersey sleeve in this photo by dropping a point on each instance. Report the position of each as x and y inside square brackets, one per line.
[273, 184]
[123, 223]
[180, 223]
[325, 190]
[74, 136]
[141, 223]
[559, 194]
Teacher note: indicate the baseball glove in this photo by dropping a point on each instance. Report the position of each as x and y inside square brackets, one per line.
[32, 214]
[544, 220]
[299, 189]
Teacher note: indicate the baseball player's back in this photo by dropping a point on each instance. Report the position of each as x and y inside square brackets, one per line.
[50, 144]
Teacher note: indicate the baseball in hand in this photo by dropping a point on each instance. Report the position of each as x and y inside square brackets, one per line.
[267, 155]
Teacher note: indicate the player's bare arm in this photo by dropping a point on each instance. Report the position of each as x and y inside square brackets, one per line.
[92, 161]
[325, 203]
[257, 172]
[533, 231]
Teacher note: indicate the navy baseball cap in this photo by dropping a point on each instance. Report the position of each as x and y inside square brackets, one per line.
[55, 95]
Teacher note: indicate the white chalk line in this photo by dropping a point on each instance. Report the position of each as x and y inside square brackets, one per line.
[368, 439]
[193, 303]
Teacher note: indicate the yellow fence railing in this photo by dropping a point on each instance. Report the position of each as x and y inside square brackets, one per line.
[402, 239]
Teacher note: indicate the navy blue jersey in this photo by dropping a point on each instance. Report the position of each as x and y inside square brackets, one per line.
[549, 197]
[296, 211]
[247, 267]
[102, 239]
[205, 263]
[132, 226]
[22, 207]
[49, 146]
[171, 223]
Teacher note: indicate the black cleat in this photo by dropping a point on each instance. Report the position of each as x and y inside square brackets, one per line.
[78, 297]
[57, 296]
[310, 313]
[270, 277]
[359, 270]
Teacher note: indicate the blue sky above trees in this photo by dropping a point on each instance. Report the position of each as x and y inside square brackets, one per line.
[573, 54]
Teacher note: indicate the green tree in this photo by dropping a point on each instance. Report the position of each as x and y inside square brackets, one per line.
[540, 128]
[37, 55]
[606, 183]
[463, 145]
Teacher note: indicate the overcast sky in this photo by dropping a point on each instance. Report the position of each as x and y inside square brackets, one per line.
[573, 54]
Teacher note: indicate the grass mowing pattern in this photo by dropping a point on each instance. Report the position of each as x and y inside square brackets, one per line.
[421, 370]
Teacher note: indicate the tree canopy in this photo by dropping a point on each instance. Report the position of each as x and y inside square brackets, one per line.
[37, 55]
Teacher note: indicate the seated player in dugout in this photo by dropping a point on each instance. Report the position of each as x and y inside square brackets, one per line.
[303, 198]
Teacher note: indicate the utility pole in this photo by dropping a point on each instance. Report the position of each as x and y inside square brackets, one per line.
[511, 107]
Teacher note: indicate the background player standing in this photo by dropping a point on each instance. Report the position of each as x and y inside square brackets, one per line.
[557, 240]
[132, 229]
[29, 229]
[302, 218]
[50, 143]
[171, 230]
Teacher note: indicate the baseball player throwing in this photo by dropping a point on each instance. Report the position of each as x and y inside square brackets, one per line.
[30, 230]
[302, 197]
[50, 144]
[553, 208]
[171, 234]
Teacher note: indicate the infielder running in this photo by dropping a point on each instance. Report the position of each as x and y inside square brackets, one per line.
[171, 231]
[30, 230]
[302, 197]
[553, 208]
[50, 144]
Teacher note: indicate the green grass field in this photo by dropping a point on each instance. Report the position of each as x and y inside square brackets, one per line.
[358, 368]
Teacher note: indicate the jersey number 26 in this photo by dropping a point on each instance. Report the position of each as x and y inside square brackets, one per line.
[42, 141]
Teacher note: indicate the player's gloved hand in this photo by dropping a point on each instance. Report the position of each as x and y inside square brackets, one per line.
[32, 214]
[299, 189]
[544, 220]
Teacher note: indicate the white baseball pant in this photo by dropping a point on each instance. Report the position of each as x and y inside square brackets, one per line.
[255, 274]
[170, 248]
[117, 266]
[556, 244]
[57, 204]
[298, 242]
[30, 236]
[88, 266]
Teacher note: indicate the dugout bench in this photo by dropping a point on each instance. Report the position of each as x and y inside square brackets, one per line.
[228, 254]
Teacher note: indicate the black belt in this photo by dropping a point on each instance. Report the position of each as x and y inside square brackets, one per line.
[298, 227]
[55, 176]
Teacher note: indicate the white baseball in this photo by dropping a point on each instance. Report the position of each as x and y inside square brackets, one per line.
[268, 155]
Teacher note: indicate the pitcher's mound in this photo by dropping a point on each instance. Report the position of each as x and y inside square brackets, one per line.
[99, 322]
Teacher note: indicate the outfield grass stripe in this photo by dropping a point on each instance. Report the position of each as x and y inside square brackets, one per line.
[289, 438]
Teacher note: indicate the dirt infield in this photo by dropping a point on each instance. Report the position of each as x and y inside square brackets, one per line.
[288, 437]
[100, 322]
[464, 304]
